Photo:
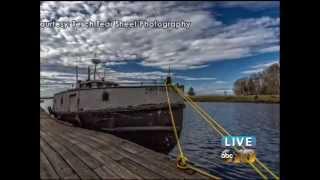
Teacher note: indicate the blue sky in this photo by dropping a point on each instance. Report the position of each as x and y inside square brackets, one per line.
[226, 41]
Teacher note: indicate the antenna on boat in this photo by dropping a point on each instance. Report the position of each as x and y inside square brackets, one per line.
[95, 62]
[88, 73]
[104, 73]
[76, 74]
[168, 79]
[77, 70]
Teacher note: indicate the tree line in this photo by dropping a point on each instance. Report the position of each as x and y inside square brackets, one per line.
[266, 82]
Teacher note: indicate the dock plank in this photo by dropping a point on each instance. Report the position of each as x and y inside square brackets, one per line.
[161, 164]
[68, 152]
[139, 169]
[84, 156]
[60, 166]
[47, 171]
[155, 166]
[113, 166]
[75, 163]
[105, 173]
[116, 168]
[168, 170]
[117, 153]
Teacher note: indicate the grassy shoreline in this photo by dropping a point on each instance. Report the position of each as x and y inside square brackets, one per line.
[251, 98]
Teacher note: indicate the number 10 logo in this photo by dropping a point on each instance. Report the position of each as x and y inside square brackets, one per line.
[240, 156]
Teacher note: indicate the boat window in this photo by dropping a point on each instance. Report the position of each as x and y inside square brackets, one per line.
[61, 101]
[105, 96]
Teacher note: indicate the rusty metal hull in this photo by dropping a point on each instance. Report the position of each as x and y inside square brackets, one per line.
[149, 126]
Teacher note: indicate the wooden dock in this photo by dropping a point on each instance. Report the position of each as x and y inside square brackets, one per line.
[68, 152]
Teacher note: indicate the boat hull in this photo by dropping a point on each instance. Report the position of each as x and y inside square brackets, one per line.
[147, 125]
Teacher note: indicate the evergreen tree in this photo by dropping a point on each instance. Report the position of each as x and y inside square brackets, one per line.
[191, 92]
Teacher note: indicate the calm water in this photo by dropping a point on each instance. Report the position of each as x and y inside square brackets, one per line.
[202, 144]
[203, 147]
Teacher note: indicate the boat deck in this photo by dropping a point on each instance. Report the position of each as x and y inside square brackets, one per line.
[68, 152]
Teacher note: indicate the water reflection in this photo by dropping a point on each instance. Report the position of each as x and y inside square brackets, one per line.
[202, 144]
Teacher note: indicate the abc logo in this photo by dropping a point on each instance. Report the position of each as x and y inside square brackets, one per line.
[227, 155]
[240, 156]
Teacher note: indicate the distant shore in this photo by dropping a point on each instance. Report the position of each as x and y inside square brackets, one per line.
[251, 98]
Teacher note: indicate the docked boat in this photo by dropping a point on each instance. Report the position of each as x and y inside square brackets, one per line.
[137, 112]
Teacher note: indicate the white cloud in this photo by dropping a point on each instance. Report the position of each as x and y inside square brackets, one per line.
[114, 63]
[270, 49]
[221, 82]
[208, 39]
[250, 5]
[264, 65]
[252, 71]
[186, 78]
[259, 67]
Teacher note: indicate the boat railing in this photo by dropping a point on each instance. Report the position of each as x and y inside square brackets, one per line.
[140, 84]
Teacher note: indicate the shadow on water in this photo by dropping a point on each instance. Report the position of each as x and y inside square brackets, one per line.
[202, 144]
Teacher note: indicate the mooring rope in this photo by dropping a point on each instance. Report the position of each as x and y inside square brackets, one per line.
[182, 160]
[213, 123]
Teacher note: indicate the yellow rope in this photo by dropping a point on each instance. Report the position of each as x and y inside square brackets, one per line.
[210, 123]
[258, 161]
[202, 172]
[258, 171]
[266, 168]
[182, 159]
[174, 124]
[213, 126]
[225, 131]
[198, 109]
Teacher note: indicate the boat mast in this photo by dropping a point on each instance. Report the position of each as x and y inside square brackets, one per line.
[94, 73]
[95, 62]
[88, 73]
[76, 71]
[168, 79]
[76, 74]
